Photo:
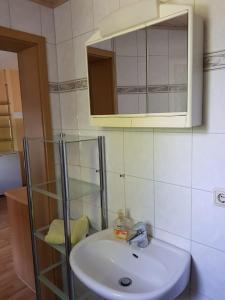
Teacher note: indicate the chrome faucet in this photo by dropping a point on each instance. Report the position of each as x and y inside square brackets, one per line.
[140, 236]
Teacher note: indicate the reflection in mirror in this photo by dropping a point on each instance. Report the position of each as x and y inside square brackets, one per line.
[144, 71]
[167, 64]
[117, 74]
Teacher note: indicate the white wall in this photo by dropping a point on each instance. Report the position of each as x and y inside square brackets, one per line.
[170, 174]
[30, 17]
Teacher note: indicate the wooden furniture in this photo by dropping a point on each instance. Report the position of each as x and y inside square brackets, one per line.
[11, 287]
[21, 235]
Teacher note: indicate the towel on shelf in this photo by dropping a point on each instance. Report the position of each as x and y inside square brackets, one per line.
[79, 229]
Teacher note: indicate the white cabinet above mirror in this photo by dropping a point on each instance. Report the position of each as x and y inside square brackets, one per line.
[149, 75]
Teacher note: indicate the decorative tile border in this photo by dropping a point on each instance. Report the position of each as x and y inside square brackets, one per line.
[165, 88]
[68, 86]
[212, 61]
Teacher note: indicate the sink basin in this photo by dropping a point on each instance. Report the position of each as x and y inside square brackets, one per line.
[160, 271]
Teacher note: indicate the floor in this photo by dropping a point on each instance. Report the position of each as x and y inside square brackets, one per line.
[11, 287]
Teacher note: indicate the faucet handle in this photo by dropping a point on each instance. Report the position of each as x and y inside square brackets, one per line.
[140, 226]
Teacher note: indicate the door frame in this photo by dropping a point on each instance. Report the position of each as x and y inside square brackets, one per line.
[18, 41]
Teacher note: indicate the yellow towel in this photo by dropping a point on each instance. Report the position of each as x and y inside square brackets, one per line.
[79, 229]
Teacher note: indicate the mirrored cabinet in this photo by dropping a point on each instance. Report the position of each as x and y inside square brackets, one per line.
[150, 75]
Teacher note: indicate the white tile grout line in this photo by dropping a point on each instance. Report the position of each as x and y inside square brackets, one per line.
[191, 188]
[154, 182]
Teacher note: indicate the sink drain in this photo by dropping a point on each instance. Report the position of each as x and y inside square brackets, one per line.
[125, 281]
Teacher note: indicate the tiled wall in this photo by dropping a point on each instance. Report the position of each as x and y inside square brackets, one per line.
[30, 17]
[169, 174]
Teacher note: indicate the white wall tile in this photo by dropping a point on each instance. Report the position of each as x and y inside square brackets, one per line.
[74, 171]
[68, 110]
[209, 228]
[208, 270]
[173, 209]
[73, 153]
[157, 41]
[82, 16]
[90, 175]
[128, 104]
[94, 215]
[141, 42]
[52, 63]
[178, 57]
[48, 24]
[142, 78]
[55, 111]
[65, 57]
[213, 103]
[83, 110]
[103, 8]
[142, 103]
[158, 102]
[115, 191]
[26, 16]
[4, 13]
[80, 55]
[63, 22]
[140, 199]
[158, 67]
[172, 156]
[114, 150]
[138, 154]
[212, 12]
[208, 161]
[126, 45]
[127, 70]
[178, 102]
[172, 239]
[89, 154]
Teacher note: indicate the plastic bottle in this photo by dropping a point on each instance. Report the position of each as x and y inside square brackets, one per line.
[122, 226]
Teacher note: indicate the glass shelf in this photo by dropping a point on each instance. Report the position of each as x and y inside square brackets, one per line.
[67, 138]
[43, 277]
[77, 189]
[40, 234]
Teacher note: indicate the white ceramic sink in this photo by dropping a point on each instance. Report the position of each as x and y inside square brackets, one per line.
[160, 271]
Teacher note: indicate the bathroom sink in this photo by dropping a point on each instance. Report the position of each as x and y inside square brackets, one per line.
[116, 270]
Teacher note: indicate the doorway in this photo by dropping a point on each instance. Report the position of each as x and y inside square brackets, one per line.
[32, 65]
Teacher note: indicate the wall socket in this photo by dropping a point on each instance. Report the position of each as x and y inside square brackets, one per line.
[219, 197]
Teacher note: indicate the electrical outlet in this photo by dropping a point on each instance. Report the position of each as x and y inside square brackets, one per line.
[219, 197]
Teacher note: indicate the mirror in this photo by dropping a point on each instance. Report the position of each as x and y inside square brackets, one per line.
[141, 72]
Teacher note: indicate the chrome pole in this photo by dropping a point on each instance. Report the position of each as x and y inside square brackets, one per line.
[66, 214]
[31, 215]
[103, 182]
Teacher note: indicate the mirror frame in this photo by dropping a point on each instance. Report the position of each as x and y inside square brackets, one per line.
[193, 116]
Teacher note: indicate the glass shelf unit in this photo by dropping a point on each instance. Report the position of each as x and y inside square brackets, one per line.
[77, 189]
[44, 278]
[61, 192]
[40, 234]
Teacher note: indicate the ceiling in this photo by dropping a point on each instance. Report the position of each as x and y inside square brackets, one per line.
[50, 3]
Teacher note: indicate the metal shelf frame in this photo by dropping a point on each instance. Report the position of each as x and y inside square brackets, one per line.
[65, 198]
